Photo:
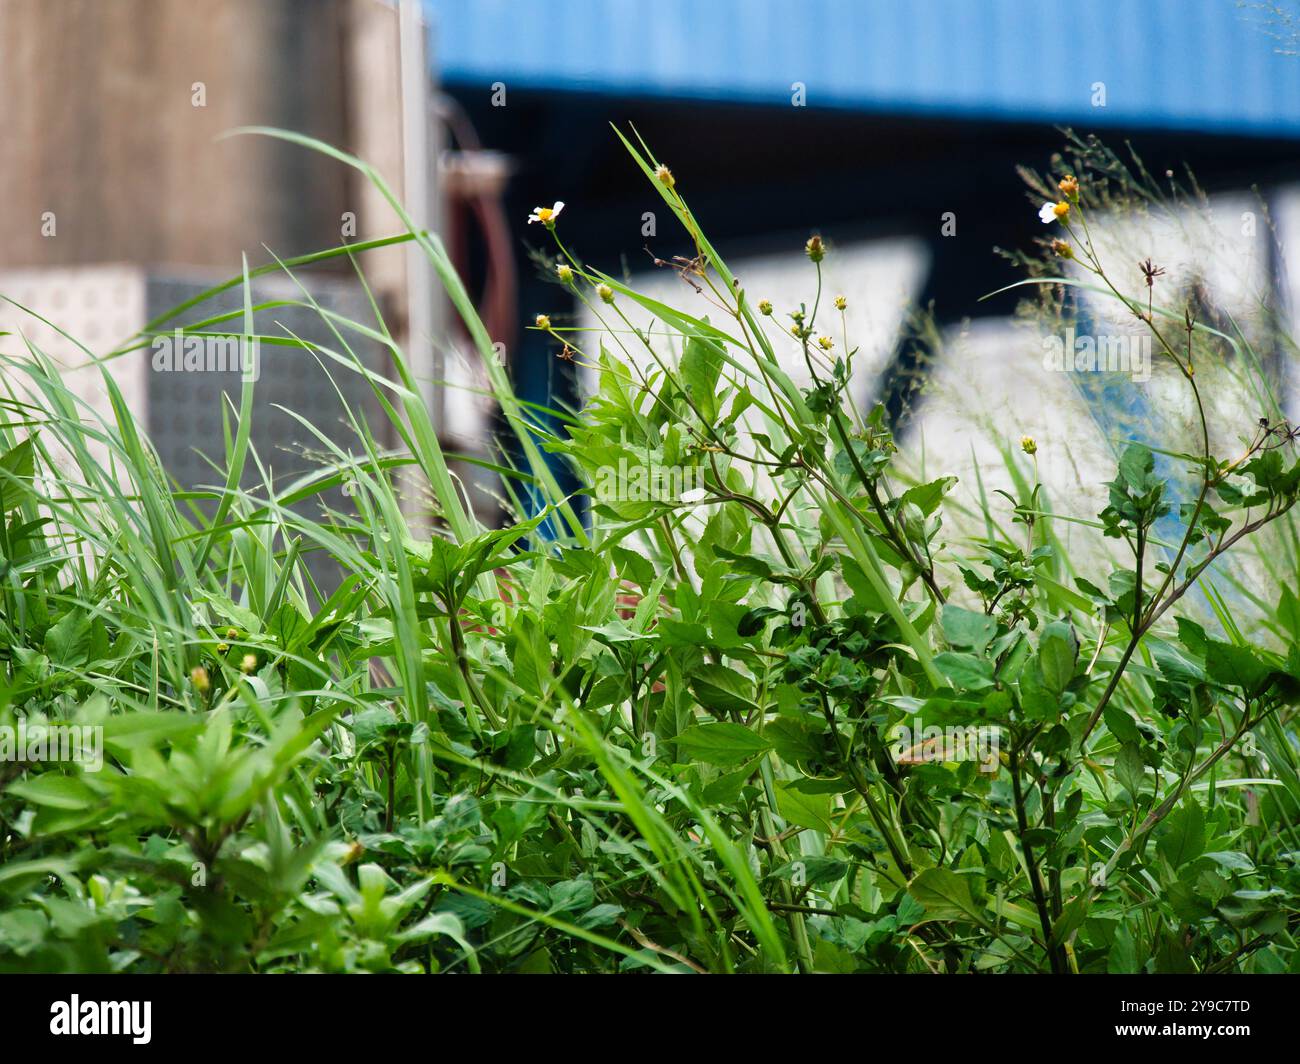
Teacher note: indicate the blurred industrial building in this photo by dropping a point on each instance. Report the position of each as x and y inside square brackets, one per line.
[892, 126]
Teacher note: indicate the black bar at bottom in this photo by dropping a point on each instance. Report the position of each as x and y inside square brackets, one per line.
[165, 1013]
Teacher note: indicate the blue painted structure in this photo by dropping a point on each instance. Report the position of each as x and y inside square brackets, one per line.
[897, 92]
[1203, 65]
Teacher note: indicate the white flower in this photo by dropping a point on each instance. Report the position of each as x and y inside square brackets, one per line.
[1046, 213]
[694, 495]
[546, 215]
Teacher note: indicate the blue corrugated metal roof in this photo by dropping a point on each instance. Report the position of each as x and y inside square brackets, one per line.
[1206, 65]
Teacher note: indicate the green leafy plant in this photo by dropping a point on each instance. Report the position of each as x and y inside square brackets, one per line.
[770, 708]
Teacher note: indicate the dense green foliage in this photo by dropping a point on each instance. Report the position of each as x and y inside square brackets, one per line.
[668, 739]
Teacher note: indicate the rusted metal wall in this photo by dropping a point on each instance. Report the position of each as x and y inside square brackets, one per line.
[110, 112]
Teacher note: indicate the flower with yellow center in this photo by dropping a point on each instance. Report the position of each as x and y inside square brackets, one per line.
[665, 176]
[841, 303]
[1028, 445]
[765, 306]
[564, 272]
[1053, 212]
[546, 215]
[1069, 186]
[605, 292]
[542, 321]
[825, 343]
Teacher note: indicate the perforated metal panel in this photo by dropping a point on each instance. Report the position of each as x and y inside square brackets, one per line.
[98, 306]
[185, 407]
[181, 408]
